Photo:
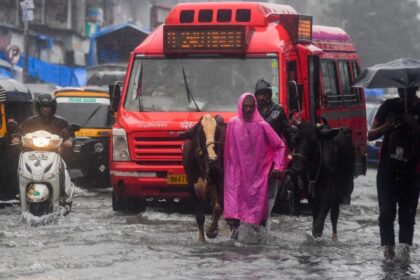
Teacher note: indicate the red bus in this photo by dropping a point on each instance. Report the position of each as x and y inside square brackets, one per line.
[218, 51]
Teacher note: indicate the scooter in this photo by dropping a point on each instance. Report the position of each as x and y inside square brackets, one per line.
[41, 175]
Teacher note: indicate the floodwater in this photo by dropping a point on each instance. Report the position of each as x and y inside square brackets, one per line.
[93, 242]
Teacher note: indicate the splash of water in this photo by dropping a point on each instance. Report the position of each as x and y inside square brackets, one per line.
[50, 218]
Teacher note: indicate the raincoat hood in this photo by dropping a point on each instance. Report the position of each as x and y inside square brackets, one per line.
[256, 115]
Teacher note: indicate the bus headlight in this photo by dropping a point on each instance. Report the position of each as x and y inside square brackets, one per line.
[119, 145]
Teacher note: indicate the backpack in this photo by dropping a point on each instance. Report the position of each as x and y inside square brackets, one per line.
[402, 151]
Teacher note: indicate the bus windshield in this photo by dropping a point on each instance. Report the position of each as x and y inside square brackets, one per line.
[86, 112]
[196, 84]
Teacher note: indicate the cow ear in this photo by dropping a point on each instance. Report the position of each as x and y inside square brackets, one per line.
[185, 135]
[189, 134]
[219, 120]
[327, 133]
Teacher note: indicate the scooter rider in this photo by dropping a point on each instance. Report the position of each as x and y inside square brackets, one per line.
[46, 119]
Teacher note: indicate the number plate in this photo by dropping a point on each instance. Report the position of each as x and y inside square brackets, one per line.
[177, 179]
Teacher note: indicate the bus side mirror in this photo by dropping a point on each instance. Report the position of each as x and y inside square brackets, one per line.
[115, 94]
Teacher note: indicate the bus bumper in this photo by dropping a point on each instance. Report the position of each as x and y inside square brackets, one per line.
[130, 180]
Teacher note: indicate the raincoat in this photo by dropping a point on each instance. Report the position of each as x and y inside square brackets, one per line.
[252, 149]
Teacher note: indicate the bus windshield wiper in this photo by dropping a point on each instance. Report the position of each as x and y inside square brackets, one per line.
[189, 94]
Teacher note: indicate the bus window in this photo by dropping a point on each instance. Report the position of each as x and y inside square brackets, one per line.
[356, 71]
[294, 94]
[349, 96]
[330, 85]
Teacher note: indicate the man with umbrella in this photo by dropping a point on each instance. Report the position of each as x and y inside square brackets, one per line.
[398, 178]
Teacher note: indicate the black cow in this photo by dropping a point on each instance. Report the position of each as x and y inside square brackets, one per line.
[202, 158]
[324, 158]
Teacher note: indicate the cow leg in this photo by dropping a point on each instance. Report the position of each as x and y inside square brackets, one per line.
[319, 217]
[200, 219]
[335, 212]
[199, 210]
[213, 228]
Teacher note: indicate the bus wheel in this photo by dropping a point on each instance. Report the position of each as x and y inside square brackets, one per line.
[289, 199]
[118, 203]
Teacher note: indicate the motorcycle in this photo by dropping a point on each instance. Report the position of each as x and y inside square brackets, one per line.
[42, 175]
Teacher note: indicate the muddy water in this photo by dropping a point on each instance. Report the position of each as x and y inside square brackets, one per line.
[95, 243]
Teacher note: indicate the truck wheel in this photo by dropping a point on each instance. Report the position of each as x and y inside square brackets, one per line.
[289, 203]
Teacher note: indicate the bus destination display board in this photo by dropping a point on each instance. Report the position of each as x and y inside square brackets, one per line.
[187, 39]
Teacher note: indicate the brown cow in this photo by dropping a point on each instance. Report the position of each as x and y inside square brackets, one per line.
[202, 158]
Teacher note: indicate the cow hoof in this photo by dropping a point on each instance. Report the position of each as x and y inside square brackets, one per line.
[212, 234]
[334, 237]
[201, 238]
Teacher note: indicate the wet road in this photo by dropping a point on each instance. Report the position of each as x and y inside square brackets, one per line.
[96, 243]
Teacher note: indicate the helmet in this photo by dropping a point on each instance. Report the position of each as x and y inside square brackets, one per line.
[46, 99]
[264, 87]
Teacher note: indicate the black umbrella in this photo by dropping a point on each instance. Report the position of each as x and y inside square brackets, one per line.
[399, 73]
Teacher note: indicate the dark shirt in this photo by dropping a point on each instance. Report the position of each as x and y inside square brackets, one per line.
[55, 125]
[277, 118]
[395, 108]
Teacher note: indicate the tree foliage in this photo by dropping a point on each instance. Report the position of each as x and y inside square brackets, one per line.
[381, 30]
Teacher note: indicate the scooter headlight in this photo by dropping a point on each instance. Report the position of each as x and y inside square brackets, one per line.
[41, 142]
[98, 148]
[37, 193]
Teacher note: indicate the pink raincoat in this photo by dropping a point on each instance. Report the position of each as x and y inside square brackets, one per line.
[251, 149]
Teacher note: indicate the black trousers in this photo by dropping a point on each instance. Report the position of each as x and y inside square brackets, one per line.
[397, 191]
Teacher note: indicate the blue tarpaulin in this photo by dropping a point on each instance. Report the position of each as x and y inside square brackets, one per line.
[57, 74]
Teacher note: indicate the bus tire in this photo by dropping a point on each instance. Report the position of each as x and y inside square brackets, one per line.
[118, 203]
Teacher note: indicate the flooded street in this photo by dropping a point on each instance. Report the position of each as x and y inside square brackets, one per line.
[93, 242]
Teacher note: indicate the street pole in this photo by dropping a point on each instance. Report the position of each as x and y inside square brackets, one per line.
[27, 15]
[25, 51]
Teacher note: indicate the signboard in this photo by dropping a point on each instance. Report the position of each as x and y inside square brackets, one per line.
[186, 39]
[299, 27]
[27, 10]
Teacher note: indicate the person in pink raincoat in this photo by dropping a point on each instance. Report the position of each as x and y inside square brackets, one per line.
[253, 152]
